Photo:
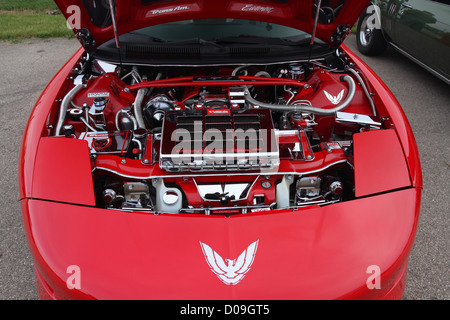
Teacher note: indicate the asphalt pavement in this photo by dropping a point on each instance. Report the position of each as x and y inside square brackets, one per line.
[27, 67]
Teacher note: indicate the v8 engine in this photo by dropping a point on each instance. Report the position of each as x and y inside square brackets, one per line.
[219, 140]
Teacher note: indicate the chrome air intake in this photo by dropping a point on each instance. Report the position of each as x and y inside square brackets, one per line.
[218, 140]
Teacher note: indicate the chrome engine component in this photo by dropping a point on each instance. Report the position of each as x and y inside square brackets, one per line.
[217, 139]
[308, 191]
[104, 142]
[236, 96]
[97, 112]
[305, 105]
[308, 188]
[336, 188]
[65, 104]
[109, 196]
[136, 195]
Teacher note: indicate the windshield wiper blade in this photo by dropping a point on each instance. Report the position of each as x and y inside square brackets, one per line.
[261, 40]
[195, 41]
[141, 37]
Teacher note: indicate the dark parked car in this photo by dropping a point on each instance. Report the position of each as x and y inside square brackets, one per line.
[419, 29]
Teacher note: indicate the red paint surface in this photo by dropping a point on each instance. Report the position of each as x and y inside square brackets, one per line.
[379, 163]
[312, 253]
[63, 171]
[132, 15]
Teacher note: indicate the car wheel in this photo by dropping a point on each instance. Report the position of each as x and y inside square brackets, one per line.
[370, 40]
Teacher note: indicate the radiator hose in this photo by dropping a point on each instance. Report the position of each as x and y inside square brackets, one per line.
[305, 106]
[64, 106]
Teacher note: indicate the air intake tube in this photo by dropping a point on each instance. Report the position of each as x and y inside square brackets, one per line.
[305, 106]
[64, 106]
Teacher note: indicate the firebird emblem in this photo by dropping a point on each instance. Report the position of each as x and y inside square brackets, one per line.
[230, 272]
[334, 100]
[100, 144]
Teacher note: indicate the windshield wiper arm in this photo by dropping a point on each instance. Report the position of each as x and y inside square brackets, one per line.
[261, 40]
[195, 41]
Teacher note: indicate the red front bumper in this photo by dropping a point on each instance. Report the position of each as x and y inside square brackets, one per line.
[313, 253]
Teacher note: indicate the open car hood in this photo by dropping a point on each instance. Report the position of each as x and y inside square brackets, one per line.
[334, 22]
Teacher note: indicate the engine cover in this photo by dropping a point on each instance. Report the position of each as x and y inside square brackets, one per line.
[218, 139]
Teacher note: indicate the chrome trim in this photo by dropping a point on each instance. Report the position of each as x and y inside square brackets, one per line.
[211, 65]
[245, 209]
[356, 118]
[219, 174]
[420, 63]
[65, 104]
[366, 90]
[407, 6]
[104, 67]
[316, 20]
[113, 16]
[248, 185]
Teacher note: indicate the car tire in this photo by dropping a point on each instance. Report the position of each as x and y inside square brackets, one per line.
[370, 41]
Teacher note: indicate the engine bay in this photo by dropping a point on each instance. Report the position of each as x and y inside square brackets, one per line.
[219, 139]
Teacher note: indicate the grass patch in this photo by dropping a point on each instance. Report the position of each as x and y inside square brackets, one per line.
[35, 5]
[17, 26]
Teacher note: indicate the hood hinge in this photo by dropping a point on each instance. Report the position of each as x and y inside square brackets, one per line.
[340, 34]
[86, 40]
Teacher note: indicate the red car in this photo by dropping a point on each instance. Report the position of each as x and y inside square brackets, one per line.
[218, 150]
